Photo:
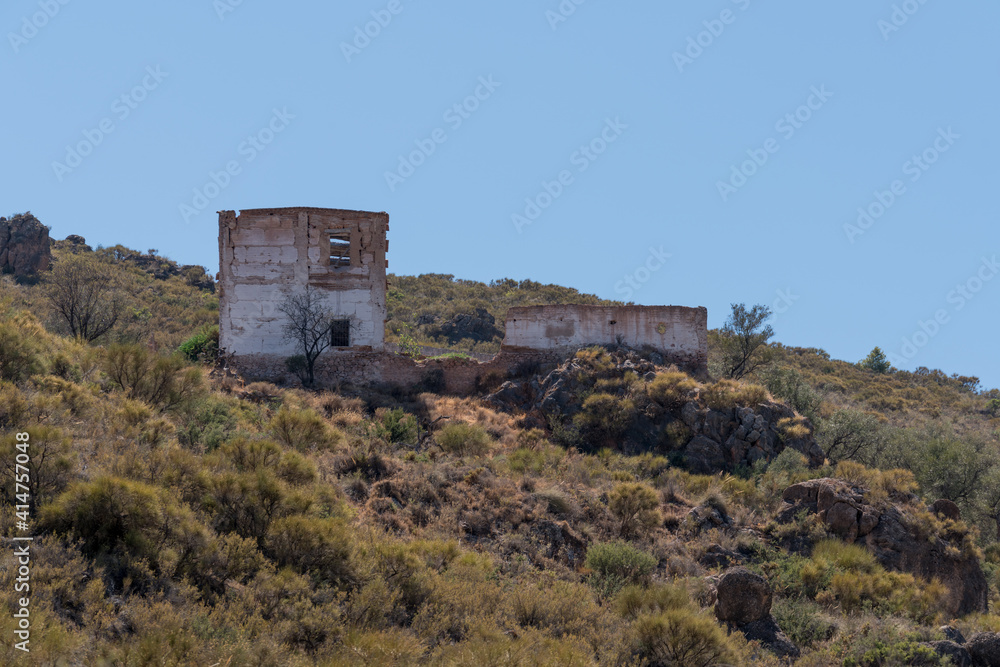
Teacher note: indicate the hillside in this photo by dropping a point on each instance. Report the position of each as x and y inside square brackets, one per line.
[439, 310]
[183, 517]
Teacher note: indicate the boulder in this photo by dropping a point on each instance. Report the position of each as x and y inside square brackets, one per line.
[949, 649]
[767, 632]
[24, 246]
[946, 509]
[952, 634]
[743, 597]
[743, 602]
[704, 456]
[984, 648]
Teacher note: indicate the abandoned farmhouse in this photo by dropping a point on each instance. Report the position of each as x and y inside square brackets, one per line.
[266, 255]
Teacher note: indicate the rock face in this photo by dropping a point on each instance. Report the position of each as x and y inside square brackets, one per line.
[707, 441]
[984, 647]
[893, 535]
[744, 602]
[741, 436]
[24, 246]
[949, 649]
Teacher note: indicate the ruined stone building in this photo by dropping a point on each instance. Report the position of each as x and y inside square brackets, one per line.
[266, 255]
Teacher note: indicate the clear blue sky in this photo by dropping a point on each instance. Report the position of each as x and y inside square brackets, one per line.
[663, 119]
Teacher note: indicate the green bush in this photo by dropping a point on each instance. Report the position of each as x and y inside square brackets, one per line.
[682, 638]
[728, 394]
[203, 346]
[671, 388]
[636, 506]
[397, 426]
[617, 564]
[464, 439]
[21, 348]
[634, 601]
[139, 530]
[604, 418]
[304, 430]
[802, 621]
[143, 375]
[316, 547]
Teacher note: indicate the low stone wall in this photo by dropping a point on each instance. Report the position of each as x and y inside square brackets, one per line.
[375, 367]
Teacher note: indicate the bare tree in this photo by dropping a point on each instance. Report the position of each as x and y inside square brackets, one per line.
[309, 326]
[90, 295]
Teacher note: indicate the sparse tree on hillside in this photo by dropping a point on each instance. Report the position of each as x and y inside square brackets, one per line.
[90, 295]
[876, 361]
[744, 341]
[309, 326]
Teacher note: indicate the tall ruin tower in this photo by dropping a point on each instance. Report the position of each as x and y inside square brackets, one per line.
[265, 255]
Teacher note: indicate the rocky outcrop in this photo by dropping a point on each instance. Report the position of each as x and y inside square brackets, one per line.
[24, 246]
[959, 656]
[891, 531]
[740, 436]
[707, 441]
[984, 648]
[743, 602]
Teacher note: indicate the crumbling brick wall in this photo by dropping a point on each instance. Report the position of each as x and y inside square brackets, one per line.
[267, 254]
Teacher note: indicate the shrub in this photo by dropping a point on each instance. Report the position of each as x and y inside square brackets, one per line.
[802, 622]
[145, 376]
[21, 348]
[635, 506]
[313, 546]
[14, 405]
[616, 564]
[634, 601]
[605, 417]
[852, 434]
[682, 638]
[245, 503]
[558, 502]
[304, 430]
[792, 428]
[463, 439]
[671, 388]
[203, 346]
[728, 394]
[53, 463]
[129, 524]
[397, 426]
